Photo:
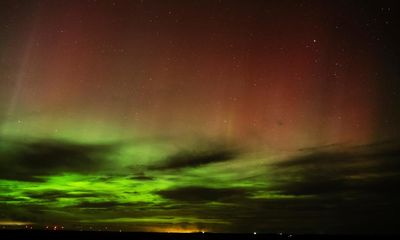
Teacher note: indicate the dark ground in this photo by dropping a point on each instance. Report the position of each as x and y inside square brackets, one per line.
[56, 235]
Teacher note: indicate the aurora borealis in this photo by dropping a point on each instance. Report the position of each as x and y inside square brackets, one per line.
[220, 116]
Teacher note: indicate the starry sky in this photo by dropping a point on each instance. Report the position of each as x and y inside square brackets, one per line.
[180, 116]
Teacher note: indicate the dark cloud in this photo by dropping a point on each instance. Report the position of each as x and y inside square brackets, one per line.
[7, 198]
[333, 189]
[29, 160]
[203, 194]
[141, 177]
[195, 158]
[101, 205]
[336, 189]
[371, 169]
[106, 204]
[312, 215]
[54, 195]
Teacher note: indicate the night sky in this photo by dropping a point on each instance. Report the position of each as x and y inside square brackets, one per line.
[223, 116]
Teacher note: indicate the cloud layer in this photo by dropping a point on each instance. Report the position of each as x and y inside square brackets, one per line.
[328, 189]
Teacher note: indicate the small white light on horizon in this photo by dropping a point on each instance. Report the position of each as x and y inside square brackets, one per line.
[255, 233]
